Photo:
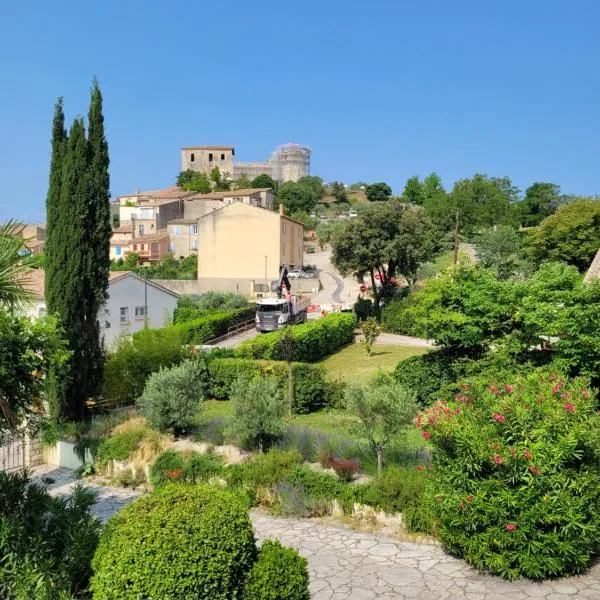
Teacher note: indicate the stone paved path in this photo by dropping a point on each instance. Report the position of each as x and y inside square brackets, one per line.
[349, 565]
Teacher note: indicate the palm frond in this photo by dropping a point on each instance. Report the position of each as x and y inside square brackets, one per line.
[13, 271]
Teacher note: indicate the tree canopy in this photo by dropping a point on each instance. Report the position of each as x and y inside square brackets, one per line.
[264, 181]
[194, 181]
[302, 195]
[541, 200]
[378, 192]
[571, 235]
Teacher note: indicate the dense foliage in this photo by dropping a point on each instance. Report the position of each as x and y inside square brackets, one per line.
[169, 267]
[77, 257]
[278, 574]
[173, 396]
[378, 192]
[33, 361]
[302, 195]
[515, 475]
[190, 307]
[312, 390]
[47, 542]
[259, 409]
[179, 542]
[189, 467]
[310, 342]
[127, 368]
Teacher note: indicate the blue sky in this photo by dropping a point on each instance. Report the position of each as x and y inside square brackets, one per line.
[379, 90]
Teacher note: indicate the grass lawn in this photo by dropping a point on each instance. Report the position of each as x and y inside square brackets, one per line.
[351, 363]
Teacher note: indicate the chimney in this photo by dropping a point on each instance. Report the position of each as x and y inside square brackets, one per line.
[281, 210]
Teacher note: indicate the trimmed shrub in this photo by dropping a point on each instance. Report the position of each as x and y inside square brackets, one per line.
[173, 466]
[516, 475]
[425, 375]
[312, 390]
[172, 397]
[310, 342]
[179, 542]
[128, 367]
[195, 307]
[396, 318]
[46, 542]
[278, 574]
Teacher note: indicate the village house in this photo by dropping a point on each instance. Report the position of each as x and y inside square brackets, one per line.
[242, 247]
[133, 303]
[183, 237]
[198, 205]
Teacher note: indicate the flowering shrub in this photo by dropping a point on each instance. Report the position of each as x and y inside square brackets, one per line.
[345, 468]
[516, 476]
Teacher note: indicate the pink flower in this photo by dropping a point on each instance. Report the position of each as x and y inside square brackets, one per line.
[426, 435]
[508, 388]
[535, 470]
[457, 411]
[556, 389]
[569, 407]
[470, 498]
[527, 453]
[420, 468]
[419, 422]
[510, 527]
[493, 389]
[565, 396]
[498, 417]
[498, 459]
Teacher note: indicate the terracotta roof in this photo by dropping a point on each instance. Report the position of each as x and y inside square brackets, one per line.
[151, 237]
[124, 227]
[207, 148]
[594, 271]
[265, 211]
[182, 222]
[35, 278]
[161, 196]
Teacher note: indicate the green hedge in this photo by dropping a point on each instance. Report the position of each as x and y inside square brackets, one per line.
[182, 541]
[206, 328]
[312, 390]
[311, 341]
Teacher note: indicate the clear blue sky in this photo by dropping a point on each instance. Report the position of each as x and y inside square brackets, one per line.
[379, 90]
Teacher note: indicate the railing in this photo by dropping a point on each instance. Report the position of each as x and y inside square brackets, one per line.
[232, 332]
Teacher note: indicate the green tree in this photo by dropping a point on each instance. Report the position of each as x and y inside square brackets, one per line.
[338, 191]
[377, 192]
[383, 411]
[370, 330]
[413, 191]
[264, 181]
[32, 355]
[242, 183]
[541, 200]
[302, 195]
[259, 409]
[13, 267]
[99, 227]
[571, 235]
[193, 181]
[498, 248]
[54, 247]
[387, 240]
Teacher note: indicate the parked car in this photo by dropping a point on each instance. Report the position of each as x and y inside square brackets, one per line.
[352, 214]
[307, 274]
[295, 274]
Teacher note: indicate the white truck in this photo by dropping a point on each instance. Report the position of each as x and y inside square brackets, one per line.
[275, 313]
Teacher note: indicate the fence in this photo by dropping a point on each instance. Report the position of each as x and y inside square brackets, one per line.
[20, 452]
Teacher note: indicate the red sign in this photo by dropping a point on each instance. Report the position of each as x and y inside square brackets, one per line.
[363, 288]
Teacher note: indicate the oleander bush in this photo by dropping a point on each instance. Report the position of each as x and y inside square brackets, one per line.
[181, 541]
[311, 341]
[279, 574]
[516, 475]
[172, 397]
[46, 542]
[312, 389]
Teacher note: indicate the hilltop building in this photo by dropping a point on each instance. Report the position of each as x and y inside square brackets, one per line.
[288, 162]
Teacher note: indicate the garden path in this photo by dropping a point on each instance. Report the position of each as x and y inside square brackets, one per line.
[350, 565]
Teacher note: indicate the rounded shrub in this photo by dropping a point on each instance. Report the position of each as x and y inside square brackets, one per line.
[278, 574]
[193, 542]
[190, 467]
[200, 467]
[168, 467]
[516, 476]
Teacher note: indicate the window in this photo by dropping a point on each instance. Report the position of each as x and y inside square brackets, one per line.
[124, 314]
[134, 247]
[141, 229]
[194, 244]
[192, 157]
[118, 250]
[140, 312]
[193, 228]
[171, 247]
[176, 229]
[222, 157]
[210, 157]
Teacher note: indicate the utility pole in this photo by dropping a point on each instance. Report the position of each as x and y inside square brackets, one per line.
[266, 283]
[145, 300]
[456, 241]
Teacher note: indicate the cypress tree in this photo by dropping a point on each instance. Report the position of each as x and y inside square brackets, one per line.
[99, 221]
[53, 227]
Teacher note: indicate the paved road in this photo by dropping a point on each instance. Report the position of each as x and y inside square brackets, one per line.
[349, 565]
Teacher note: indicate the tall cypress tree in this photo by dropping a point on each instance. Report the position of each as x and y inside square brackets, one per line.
[53, 226]
[99, 221]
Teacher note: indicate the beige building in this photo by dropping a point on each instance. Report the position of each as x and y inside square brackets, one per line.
[241, 248]
[183, 237]
[205, 158]
[125, 239]
[199, 205]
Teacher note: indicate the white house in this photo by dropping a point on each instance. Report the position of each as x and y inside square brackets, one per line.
[130, 300]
